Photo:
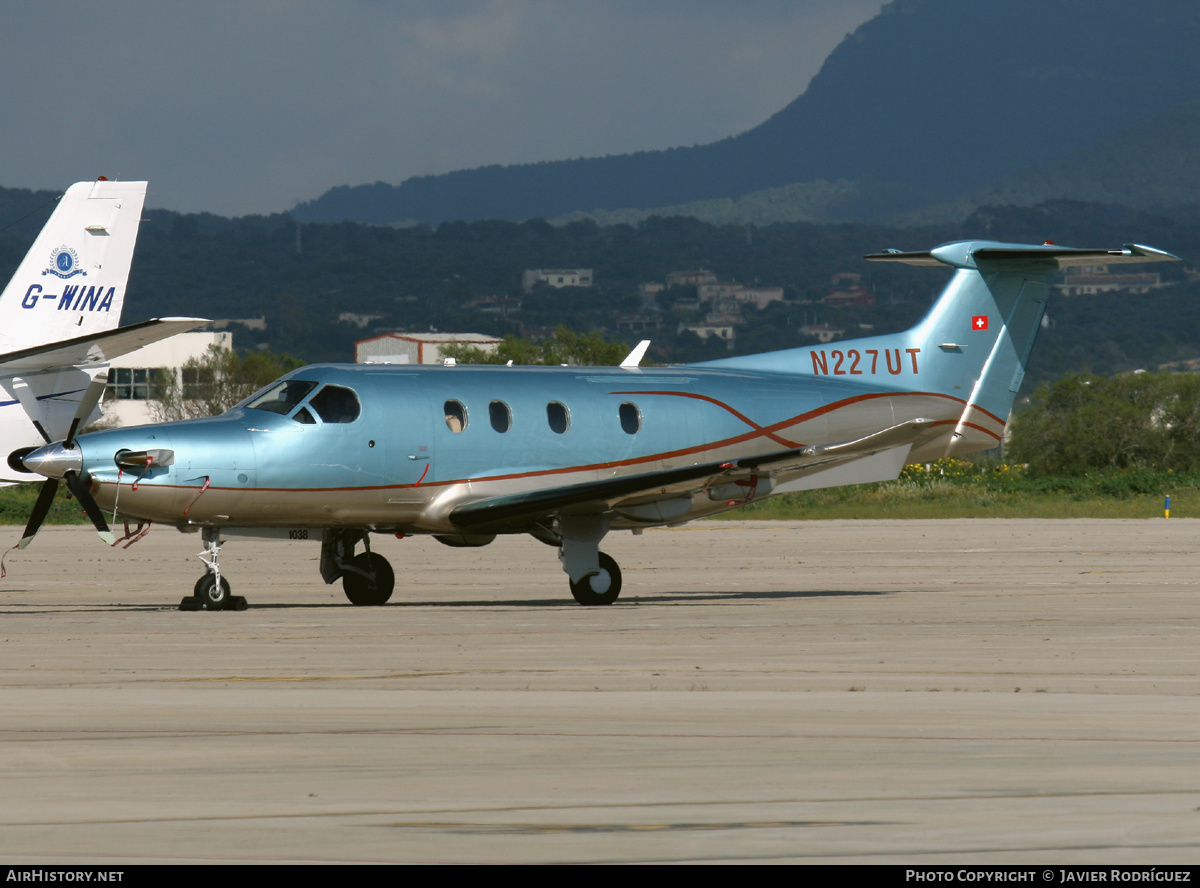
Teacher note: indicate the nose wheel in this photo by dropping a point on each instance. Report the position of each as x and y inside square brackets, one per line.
[212, 591]
[213, 594]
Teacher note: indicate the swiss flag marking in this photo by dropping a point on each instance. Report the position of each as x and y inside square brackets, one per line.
[979, 322]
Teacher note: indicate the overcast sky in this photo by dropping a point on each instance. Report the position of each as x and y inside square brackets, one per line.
[247, 106]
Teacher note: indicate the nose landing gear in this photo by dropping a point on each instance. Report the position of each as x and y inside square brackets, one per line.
[212, 591]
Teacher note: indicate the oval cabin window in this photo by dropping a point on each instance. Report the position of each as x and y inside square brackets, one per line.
[631, 418]
[558, 417]
[456, 416]
[500, 416]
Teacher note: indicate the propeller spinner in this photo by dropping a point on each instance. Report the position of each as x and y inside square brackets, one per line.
[63, 460]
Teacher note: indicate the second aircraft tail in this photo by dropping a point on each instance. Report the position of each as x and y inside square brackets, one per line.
[72, 281]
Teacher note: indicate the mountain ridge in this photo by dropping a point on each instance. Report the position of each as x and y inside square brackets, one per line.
[929, 99]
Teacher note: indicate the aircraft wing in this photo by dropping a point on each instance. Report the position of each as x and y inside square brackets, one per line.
[520, 509]
[97, 348]
[526, 507]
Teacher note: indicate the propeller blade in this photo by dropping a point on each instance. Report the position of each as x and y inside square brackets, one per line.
[40, 509]
[87, 404]
[80, 491]
[23, 393]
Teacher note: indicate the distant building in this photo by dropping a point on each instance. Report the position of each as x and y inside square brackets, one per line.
[362, 321]
[759, 297]
[726, 332]
[716, 290]
[259, 323]
[692, 278]
[133, 378]
[638, 322]
[847, 289]
[495, 305]
[733, 298]
[556, 277]
[823, 332]
[416, 348]
[1102, 282]
[649, 293]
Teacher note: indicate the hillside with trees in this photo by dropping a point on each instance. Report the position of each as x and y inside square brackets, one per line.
[319, 288]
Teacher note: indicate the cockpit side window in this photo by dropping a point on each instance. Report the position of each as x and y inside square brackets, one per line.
[335, 403]
[281, 397]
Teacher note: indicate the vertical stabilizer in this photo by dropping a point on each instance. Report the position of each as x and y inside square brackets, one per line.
[978, 335]
[72, 281]
[974, 343]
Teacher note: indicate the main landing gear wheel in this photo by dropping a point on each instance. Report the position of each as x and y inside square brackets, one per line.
[599, 588]
[372, 582]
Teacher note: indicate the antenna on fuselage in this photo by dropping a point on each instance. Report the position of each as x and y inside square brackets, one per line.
[635, 357]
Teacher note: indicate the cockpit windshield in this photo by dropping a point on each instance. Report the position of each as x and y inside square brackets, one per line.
[282, 397]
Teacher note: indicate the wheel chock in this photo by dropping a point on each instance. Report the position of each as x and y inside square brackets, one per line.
[195, 603]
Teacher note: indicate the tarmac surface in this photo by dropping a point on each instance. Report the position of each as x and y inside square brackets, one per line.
[914, 692]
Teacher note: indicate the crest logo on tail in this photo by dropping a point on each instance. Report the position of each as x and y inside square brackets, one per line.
[64, 263]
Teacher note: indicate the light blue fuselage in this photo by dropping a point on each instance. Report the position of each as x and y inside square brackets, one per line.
[399, 465]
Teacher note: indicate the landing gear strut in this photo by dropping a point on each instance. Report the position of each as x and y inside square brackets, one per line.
[367, 578]
[594, 576]
[212, 591]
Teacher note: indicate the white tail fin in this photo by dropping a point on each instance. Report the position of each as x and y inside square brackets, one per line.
[72, 281]
[61, 310]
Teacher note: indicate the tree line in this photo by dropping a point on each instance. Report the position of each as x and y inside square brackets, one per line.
[1134, 421]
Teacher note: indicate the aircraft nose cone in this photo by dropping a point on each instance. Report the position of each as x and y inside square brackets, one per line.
[54, 460]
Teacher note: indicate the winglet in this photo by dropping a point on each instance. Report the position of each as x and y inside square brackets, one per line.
[635, 357]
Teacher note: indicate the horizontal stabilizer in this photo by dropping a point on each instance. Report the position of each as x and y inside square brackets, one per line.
[968, 254]
[97, 348]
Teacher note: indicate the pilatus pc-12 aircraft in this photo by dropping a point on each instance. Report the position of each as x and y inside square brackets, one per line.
[59, 316]
[336, 453]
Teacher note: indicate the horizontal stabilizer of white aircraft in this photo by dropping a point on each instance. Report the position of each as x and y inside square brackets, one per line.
[99, 348]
